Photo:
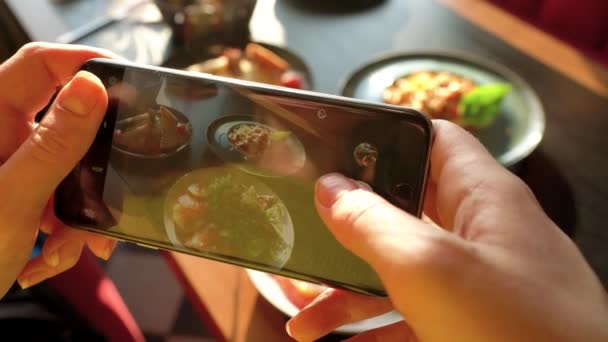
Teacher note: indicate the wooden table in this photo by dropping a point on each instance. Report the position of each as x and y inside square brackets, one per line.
[567, 172]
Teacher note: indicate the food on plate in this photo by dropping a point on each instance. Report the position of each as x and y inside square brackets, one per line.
[250, 139]
[299, 293]
[268, 149]
[228, 213]
[445, 95]
[253, 140]
[256, 63]
[155, 132]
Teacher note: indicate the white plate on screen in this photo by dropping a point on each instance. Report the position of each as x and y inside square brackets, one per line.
[270, 290]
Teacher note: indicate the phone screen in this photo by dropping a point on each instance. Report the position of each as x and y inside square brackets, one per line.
[226, 170]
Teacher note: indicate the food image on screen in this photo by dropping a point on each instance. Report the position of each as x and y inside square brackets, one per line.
[256, 148]
[223, 211]
[256, 63]
[250, 139]
[153, 133]
[448, 96]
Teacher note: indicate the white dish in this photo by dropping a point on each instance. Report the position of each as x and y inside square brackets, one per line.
[270, 290]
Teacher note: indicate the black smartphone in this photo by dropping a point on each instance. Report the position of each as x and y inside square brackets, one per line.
[225, 169]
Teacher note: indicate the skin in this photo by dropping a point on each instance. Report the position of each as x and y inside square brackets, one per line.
[487, 265]
[34, 159]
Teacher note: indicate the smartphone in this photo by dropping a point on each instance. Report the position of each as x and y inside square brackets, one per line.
[225, 169]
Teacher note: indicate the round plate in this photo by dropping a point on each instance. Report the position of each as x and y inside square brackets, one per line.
[207, 176]
[296, 64]
[217, 138]
[514, 134]
[270, 290]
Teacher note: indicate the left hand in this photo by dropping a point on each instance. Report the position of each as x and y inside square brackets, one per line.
[34, 159]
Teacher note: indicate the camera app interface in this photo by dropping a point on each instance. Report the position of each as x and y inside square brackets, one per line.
[225, 172]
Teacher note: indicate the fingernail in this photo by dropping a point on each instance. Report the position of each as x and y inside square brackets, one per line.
[65, 253]
[79, 95]
[29, 279]
[51, 259]
[297, 338]
[108, 249]
[288, 329]
[330, 187]
[70, 252]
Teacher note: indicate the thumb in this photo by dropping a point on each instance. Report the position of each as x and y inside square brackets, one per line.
[57, 143]
[371, 227]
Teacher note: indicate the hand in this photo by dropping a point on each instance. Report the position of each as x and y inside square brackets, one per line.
[34, 159]
[499, 270]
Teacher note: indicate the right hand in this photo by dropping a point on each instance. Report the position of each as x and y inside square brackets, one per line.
[498, 269]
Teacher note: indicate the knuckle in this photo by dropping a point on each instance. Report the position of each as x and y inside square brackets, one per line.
[441, 254]
[482, 192]
[30, 50]
[513, 188]
[38, 53]
[523, 189]
[434, 247]
[448, 128]
[445, 124]
[48, 144]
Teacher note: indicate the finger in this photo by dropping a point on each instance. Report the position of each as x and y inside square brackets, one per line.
[332, 309]
[29, 80]
[408, 254]
[399, 331]
[101, 246]
[60, 140]
[49, 222]
[38, 269]
[430, 204]
[466, 174]
[367, 224]
[63, 239]
[47, 66]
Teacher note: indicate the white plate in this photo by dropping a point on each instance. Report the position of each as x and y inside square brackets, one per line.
[270, 290]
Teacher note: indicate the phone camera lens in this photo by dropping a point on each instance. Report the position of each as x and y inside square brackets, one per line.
[366, 154]
[403, 193]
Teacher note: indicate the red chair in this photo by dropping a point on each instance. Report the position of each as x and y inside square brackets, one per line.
[524, 8]
[95, 298]
[581, 23]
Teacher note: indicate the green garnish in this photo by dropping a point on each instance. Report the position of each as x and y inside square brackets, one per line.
[480, 106]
